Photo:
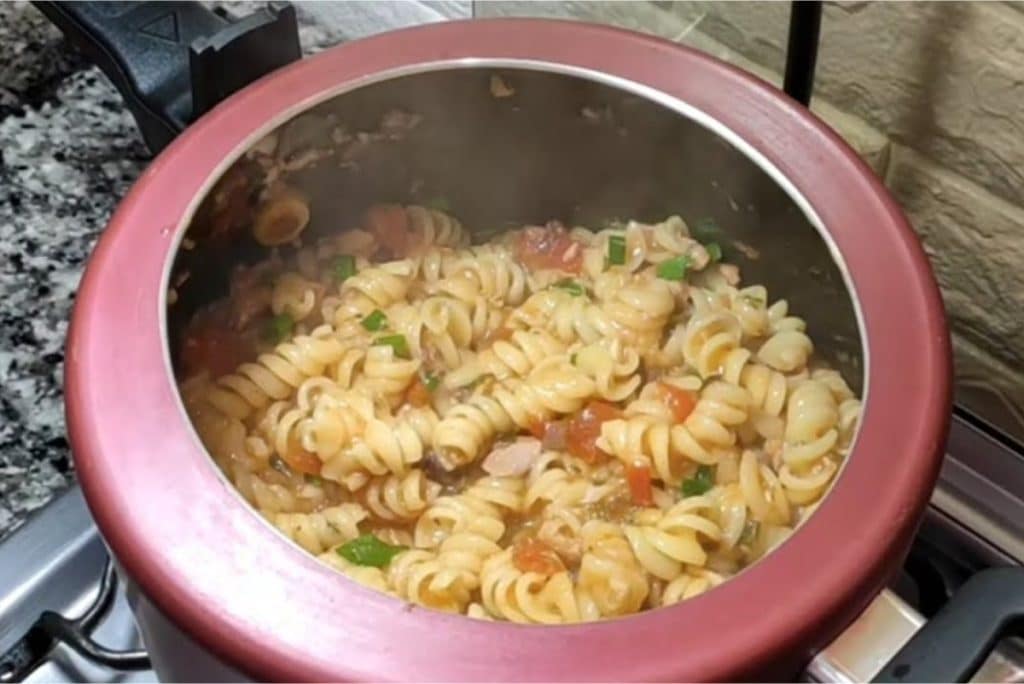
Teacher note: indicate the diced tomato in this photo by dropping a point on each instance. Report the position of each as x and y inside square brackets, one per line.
[679, 401]
[585, 427]
[302, 461]
[532, 555]
[550, 247]
[214, 348]
[638, 476]
[390, 225]
[537, 429]
[602, 411]
[418, 394]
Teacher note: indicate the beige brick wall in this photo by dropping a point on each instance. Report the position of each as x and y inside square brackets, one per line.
[932, 95]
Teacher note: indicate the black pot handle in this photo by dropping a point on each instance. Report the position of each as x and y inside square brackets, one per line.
[173, 61]
[954, 644]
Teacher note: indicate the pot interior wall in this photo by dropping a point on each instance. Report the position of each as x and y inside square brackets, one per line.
[559, 147]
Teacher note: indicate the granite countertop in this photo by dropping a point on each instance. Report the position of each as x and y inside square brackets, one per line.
[68, 152]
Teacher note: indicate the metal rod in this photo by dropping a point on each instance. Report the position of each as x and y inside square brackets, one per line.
[802, 49]
[77, 633]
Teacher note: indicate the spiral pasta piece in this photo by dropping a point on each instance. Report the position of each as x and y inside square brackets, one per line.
[644, 244]
[514, 357]
[762, 491]
[706, 429]
[720, 408]
[493, 274]
[386, 375]
[419, 576]
[569, 318]
[431, 227]
[767, 389]
[526, 597]
[385, 446]
[274, 375]
[688, 585]
[614, 368]
[641, 306]
[788, 347]
[666, 542]
[334, 420]
[376, 287]
[294, 296]
[368, 576]
[549, 483]
[610, 580]
[749, 306]
[479, 510]
[709, 339]
[443, 328]
[397, 498]
[553, 387]
[316, 532]
[810, 439]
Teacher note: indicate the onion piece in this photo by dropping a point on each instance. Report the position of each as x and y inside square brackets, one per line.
[513, 459]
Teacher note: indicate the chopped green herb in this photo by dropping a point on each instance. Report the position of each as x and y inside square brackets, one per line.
[375, 320]
[706, 230]
[571, 286]
[278, 464]
[674, 269]
[572, 359]
[714, 251]
[616, 250]
[368, 550]
[702, 481]
[753, 301]
[314, 479]
[396, 342]
[278, 328]
[344, 267]
[439, 203]
[431, 381]
[750, 531]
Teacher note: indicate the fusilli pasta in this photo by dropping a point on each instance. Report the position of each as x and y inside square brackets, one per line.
[556, 426]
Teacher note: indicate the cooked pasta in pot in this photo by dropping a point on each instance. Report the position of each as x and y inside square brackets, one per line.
[555, 426]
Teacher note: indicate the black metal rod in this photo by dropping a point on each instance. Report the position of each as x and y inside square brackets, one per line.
[76, 633]
[802, 50]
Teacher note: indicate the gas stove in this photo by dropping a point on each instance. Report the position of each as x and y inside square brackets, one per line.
[56, 565]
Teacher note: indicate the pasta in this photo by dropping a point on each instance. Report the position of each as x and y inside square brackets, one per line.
[556, 426]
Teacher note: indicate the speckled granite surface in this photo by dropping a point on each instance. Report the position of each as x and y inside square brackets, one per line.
[68, 153]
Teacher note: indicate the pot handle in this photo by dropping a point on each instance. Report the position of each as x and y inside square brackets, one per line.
[173, 61]
[953, 644]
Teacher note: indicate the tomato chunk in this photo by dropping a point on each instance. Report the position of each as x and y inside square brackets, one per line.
[302, 461]
[638, 476]
[585, 427]
[217, 349]
[550, 247]
[679, 401]
[418, 394]
[532, 555]
[390, 225]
